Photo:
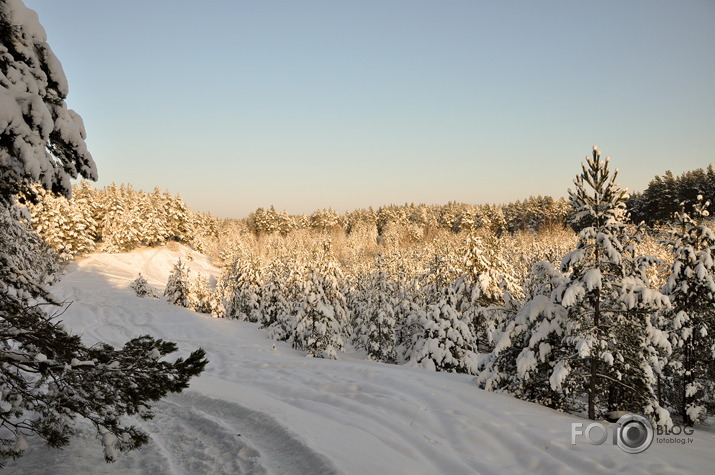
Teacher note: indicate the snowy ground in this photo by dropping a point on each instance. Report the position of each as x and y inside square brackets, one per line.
[262, 407]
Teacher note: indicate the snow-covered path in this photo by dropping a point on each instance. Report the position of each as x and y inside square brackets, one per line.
[262, 407]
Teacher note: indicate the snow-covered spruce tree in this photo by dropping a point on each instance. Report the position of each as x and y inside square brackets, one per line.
[177, 287]
[691, 287]
[48, 378]
[141, 287]
[321, 312]
[609, 333]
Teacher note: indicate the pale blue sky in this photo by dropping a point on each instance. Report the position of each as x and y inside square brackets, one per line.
[347, 104]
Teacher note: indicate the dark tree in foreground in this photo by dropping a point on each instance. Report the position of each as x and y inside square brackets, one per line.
[48, 377]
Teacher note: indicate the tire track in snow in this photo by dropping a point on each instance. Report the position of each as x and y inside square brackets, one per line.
[229, 438]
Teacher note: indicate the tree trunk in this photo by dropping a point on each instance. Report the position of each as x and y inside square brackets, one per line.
[688, 377]
[594, 370]
[594, 358]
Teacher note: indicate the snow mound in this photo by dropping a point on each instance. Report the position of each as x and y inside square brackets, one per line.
[154, 263]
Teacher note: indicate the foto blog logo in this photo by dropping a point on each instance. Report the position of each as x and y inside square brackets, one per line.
[631, 433]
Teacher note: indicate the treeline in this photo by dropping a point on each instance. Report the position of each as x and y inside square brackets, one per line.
[532, 214]
[114, 219]
[663, 197]
[657, 204]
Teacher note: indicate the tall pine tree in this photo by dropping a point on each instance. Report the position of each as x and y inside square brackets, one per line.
[608, 302]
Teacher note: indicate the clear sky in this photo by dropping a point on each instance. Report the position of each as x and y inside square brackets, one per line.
[348, 104]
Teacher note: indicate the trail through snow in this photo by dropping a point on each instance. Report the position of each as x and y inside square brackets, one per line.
[262, 407]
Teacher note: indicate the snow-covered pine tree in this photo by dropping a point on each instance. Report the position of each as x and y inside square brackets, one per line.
[177, 287]
[242, 286]
[530, 344]
[378, 322]
[484, 277]
[66, 225]
[142, 288]
[204, 228]
[263, 222]
[122, 221]
[409, 300]
[49, 378]
[283, 298]
[608, 302]
[321, 312]
[691, 287]
[356, 300]
[274, 302]
[178, 221]
[324, 220]
[440, 339]
[202, 299]
[153, 224]
[88, 199]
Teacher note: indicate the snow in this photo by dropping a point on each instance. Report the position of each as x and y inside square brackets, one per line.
[262, 407]
[561, 371]
[573, 294]
[592, 279]
[525, 362]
